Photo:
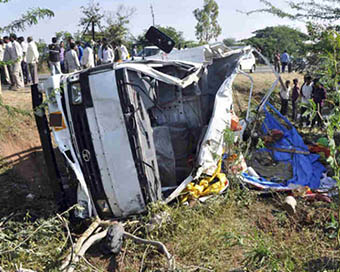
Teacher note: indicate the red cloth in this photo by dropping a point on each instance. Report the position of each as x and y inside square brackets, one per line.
[315, 148]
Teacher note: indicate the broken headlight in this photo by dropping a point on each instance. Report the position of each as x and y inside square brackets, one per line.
[76, 94]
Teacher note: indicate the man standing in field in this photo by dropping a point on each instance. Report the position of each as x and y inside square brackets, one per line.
[33, 60]
[284, 95]
[24, 65]
[318, 96]
[16, 57]
[285, 59]
[71, 59]
[306, 94]
[87, 60]
[54, 57]
[295, 96]
[277, 61]
[7, 57]
[4, 68]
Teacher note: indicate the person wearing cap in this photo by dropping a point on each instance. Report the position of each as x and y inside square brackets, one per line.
[318, 96]
[80, 50]
[32, 60]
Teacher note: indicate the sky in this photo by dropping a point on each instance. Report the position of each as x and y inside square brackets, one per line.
[175, 13]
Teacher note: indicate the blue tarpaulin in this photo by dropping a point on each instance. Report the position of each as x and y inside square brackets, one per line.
[307, 170]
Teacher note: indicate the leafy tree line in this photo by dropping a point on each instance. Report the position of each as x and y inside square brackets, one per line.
[277, 39]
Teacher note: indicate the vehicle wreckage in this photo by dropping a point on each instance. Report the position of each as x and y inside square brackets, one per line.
[132, 130]
[144, 131]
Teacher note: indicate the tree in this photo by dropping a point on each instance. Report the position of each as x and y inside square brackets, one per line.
[93, 17]
[92, 13]
[63, 36]
[278, 38]
[117, 23]
[230, 41]
[207, 27]
[177, 36]
[29, 18]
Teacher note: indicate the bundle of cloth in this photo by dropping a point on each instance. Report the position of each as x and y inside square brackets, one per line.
[285, 163]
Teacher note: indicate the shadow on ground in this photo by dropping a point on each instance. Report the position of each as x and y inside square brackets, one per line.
[24, 185]
[323, 264]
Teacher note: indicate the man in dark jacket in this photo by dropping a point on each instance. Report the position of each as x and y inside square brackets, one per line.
[54, 57]
[318, 96]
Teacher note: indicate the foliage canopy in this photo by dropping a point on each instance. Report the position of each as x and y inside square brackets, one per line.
[207, 27]
[278, 38]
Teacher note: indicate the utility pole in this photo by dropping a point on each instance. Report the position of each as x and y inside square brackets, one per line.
[93, 32]
[153, 15]
[93, 39]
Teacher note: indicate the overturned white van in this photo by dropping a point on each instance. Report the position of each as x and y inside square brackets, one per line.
[131, 129]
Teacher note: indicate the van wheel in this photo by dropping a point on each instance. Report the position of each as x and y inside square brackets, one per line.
[252, 70]
[240, 67]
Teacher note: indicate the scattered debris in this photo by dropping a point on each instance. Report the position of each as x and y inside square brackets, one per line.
[290, 205]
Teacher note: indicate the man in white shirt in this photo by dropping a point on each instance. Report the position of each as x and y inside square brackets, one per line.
[306, 95]
[32, 58]
[71, 59]
[4, 67]
[284, 95]
[16, 57]
[87, 60]
[100, 52]
[7, 57]
[24, 65]
[108, 55]
[125, 52]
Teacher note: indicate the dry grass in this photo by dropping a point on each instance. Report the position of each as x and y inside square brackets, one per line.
[262, 83]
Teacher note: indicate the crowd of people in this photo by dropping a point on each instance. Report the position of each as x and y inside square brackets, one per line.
[20, 59]
[78, 55]
[310, 90]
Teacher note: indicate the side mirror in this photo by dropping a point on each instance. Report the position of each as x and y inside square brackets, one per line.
[161, 40]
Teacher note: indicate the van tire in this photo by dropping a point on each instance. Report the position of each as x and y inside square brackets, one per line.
[252, 70]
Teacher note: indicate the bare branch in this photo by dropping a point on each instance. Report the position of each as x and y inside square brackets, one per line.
[329, 10]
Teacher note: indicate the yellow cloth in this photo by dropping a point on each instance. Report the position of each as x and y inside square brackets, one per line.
[206, 186]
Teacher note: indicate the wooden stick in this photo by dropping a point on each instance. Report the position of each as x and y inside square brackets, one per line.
[159, 245]
[77, 247]
[91, 240]
[289, 150]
